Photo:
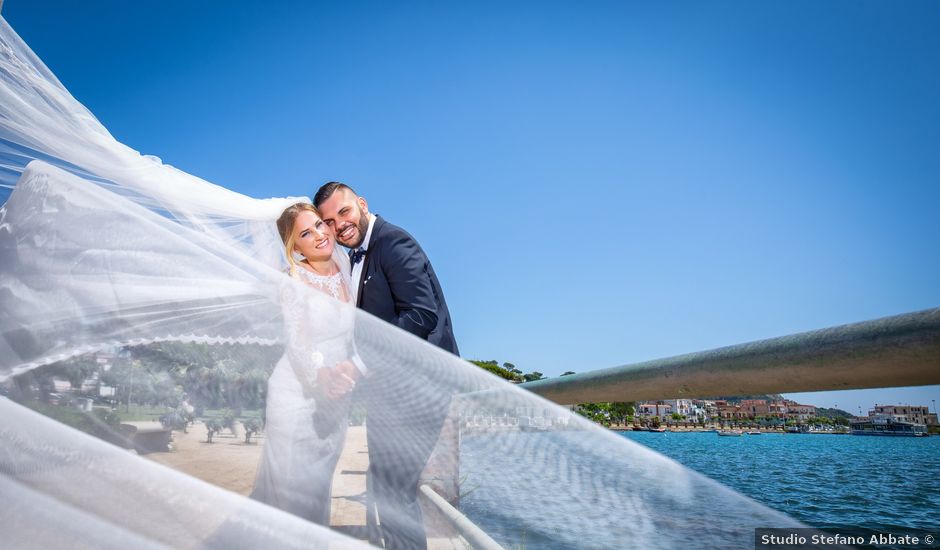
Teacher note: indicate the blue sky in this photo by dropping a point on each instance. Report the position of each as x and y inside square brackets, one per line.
[596, 184]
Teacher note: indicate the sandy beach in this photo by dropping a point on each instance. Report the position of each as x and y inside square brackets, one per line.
[230, 463]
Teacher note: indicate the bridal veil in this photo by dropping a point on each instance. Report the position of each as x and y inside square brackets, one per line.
[107, 252]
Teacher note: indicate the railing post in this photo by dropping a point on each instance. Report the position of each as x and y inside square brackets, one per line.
[441, 476]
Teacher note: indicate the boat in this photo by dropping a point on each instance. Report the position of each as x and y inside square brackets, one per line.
[732, 433]
[753, 432]
[659, 430]
[888, 425]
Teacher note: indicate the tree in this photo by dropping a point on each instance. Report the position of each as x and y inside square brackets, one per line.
[532, 376]
[568, 373]
[175, 420]
[493, 367]
[252, 426]
[228, 421]
[124, 375]
[233, 376]
[213, 426]
[620, 411]
[596, 412]
[225, 420]
[76, 370]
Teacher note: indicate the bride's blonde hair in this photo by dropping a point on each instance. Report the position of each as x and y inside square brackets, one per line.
[285, 226]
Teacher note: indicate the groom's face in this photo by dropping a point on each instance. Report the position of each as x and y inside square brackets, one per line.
[347, 214]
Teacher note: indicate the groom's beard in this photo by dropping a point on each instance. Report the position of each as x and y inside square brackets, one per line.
[362, 226]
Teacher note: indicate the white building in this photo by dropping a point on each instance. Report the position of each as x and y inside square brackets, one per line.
[681, 406]
[658, 409]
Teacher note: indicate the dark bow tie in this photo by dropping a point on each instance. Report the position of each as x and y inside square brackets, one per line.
[356, 255]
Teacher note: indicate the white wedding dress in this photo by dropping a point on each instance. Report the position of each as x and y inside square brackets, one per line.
[304, 430]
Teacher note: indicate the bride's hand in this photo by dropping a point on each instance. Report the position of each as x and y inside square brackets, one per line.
[348, 369]
[335, 382]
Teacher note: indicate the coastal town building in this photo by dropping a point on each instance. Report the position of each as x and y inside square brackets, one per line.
[702, 410]
[800, 413]
[659, 409]
[706, 409]
[681, 406]
[521, 418]
[692, 410]
[752, 409]
[728, 411]
[777, 409]
[906, 413]
[763, 408]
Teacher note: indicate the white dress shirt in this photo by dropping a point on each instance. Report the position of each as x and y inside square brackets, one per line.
[357, 269]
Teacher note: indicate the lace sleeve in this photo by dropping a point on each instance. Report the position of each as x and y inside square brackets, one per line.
[319, 324]
[304, 357]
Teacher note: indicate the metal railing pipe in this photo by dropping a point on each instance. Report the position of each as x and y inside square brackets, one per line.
[477, 537]
[903, 350]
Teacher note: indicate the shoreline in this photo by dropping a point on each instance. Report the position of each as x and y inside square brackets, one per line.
[715, 430]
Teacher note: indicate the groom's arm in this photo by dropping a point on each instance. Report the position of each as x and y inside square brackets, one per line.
[407, 274]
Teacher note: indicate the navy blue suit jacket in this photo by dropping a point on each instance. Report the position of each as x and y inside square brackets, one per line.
[398, 285]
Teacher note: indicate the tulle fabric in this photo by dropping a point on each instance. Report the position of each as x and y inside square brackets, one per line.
[109, 251]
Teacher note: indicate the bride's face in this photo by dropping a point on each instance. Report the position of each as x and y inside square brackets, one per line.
[312, 238]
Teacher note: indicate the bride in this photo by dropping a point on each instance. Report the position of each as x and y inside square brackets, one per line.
[308, 392]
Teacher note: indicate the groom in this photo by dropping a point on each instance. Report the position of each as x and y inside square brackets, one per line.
[392, 279]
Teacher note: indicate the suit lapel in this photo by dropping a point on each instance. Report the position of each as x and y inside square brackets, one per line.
[367, 261]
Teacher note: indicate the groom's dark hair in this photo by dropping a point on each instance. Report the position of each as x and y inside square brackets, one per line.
[326, 191]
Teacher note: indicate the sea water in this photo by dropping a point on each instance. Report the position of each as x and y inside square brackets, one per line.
[833, 482]
[826, 481]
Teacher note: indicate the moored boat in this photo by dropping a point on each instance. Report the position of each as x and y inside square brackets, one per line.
[887, 425]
